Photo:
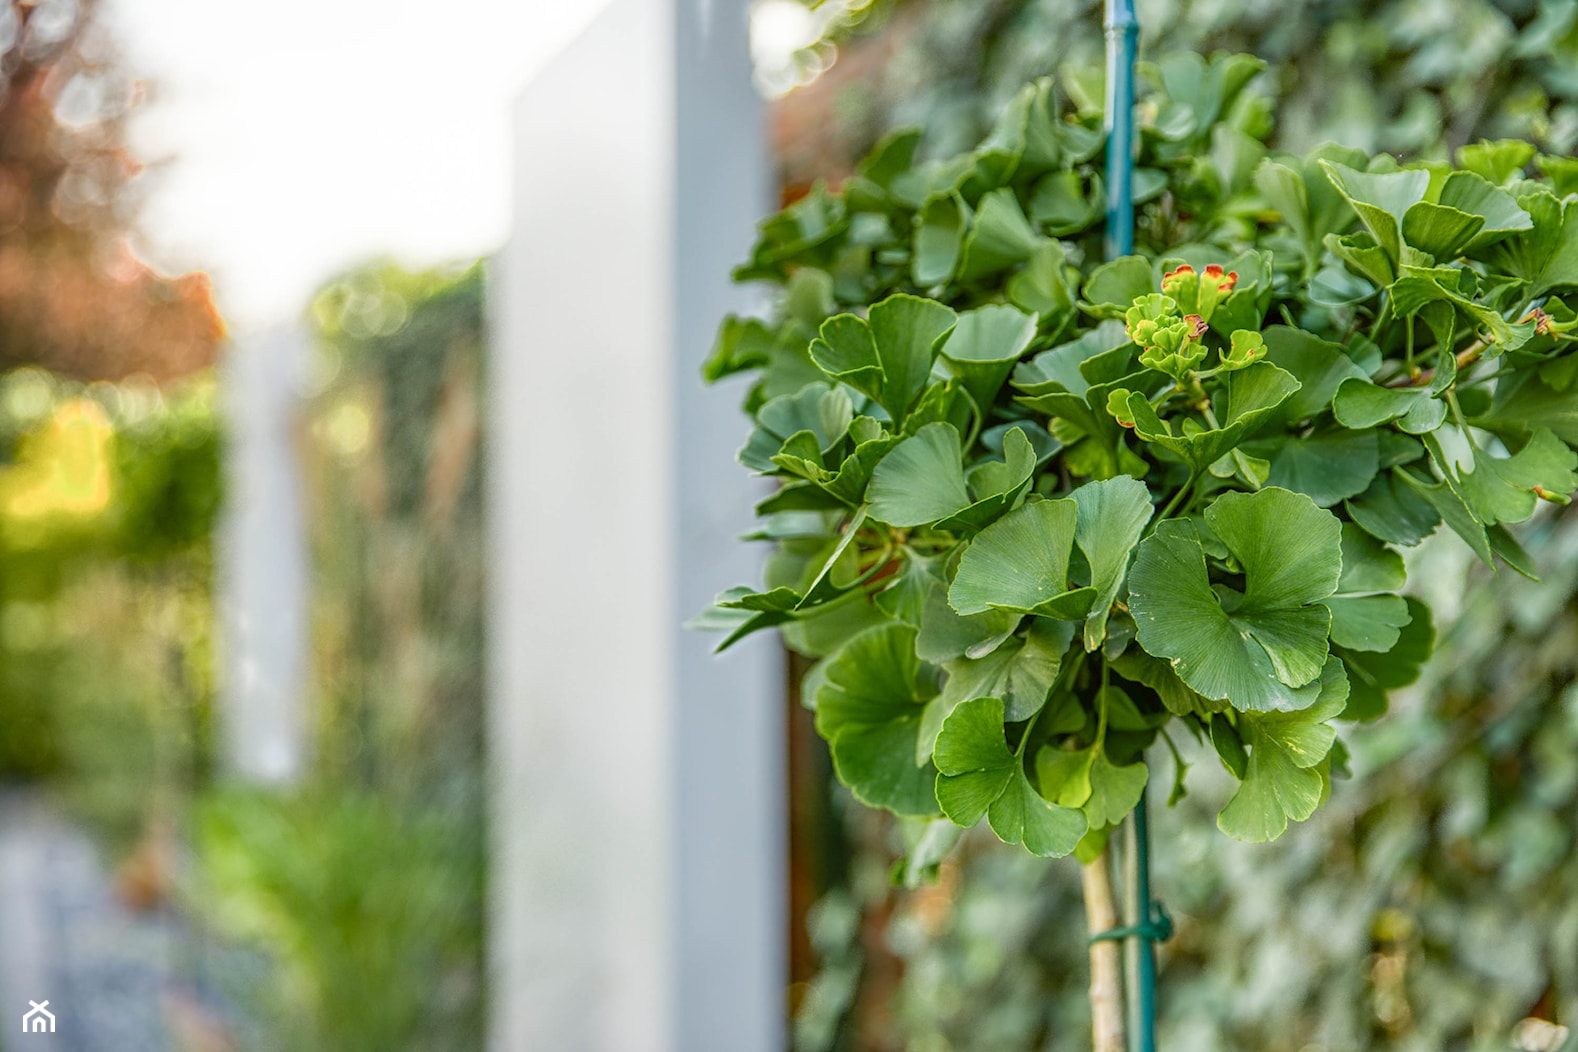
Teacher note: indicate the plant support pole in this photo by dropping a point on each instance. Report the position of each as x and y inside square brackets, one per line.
[1148, 927]
[1123, 29]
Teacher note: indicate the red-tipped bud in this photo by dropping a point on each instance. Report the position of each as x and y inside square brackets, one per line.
[1225, 282]
[1196, 325]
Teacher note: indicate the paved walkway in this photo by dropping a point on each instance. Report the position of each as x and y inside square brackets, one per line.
[109, 974]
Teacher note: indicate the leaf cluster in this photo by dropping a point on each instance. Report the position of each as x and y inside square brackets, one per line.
[1039, 510]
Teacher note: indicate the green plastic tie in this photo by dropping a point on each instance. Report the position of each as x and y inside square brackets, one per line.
[1159, 928]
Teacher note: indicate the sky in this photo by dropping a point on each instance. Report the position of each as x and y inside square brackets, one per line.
[297, 138]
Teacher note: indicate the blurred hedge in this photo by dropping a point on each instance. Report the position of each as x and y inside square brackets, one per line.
[108, 496]
[1405, 76]
[364, 886]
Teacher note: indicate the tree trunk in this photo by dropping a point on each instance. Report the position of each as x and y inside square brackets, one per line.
[1106, 960]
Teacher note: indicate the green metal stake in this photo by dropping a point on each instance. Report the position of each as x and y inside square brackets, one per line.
[1123, 30]
[1148, 923]
[1151, 927]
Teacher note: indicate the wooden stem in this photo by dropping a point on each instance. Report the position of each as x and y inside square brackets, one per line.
[1106, 960]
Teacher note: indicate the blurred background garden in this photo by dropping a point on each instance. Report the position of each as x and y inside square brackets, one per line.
[342, 905]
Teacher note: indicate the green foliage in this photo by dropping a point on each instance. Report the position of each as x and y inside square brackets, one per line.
[1413, 77]
[1199, 460]
[374, 909]
[107, 501]
[1433, 904]
[363, 889]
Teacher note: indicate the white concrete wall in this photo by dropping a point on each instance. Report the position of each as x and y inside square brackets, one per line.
[638, 826]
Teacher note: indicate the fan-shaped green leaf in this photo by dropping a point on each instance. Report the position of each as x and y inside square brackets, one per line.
[887, 355]
[1260, 650]
[869, 709]
[921, 481]
[1249, 398]
[979, 776]
[823, 411]
[1327, 467]
[1393, 512]
[1112, 515]
[939, 234]
[984, 347]
[1020, 563]
[1114, 286]
[1000, 236]
[1440, 230]
[1281, 783]
[946, 634]
[1020, 672]
[1380, 198]
[1472, 193]
[1506, 489]
[1318, 365]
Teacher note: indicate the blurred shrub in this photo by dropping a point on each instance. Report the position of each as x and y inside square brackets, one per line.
[107, 500]
[370, 908]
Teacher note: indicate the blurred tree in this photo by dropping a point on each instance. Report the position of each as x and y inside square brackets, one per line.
[74, 298]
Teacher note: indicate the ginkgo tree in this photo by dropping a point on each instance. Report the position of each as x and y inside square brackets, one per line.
[1039, 512]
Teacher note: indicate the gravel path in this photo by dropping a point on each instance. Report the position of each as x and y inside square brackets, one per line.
[114, 978]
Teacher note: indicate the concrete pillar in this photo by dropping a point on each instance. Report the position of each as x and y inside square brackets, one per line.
[638, 815]
[263, 560]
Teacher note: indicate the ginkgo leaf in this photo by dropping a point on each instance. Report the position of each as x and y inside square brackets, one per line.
[1393, 512]
[1359, 403]
[869, 708]
[1319, 365]
[1473, 193]
[1115, 285]
[819, 410]
[979, 776]
[1281, 783]
[1506, 489]
[999, 237]
[1327, 466]
[1020, 563]
[1380, 198]
[1114, 789]
[1041, 285]
[1249, 398]
[946, 634]
[1260, 649]
[1371, 675]
[889, 353]
[921, 481]
[1020, 672]
[1367, 622]
[1440, 230]
[1112, 515]
[939, 234]
[985, 346]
